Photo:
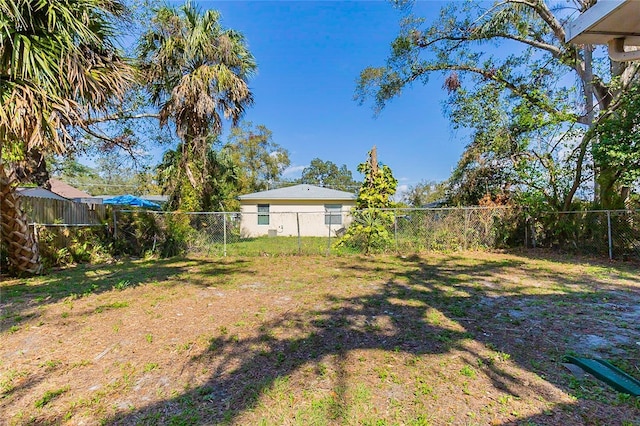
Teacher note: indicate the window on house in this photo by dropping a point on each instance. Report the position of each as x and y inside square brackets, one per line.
[333, 214]
[263, 214]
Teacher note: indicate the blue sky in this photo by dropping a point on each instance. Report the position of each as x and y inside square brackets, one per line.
[309, 56]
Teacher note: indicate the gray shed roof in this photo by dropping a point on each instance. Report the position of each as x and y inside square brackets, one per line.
[38, 192]
[300, 192]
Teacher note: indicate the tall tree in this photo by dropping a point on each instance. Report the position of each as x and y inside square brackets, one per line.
[525, 114]
[58, 63]
[197, 73]
[370, 230]
[327, 174]
[260, 159]
[424, 192]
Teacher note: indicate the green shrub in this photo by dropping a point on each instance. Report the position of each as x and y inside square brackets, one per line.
[371, 231]
[137, 233]
[178, 233]
[141, 233]
[61, 246]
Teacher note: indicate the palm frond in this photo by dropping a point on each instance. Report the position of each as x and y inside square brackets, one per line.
[56, 61]
[197, 72]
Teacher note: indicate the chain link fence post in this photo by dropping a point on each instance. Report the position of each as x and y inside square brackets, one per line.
[533, 232]
[466, 228]
[609, 235]
[298, 229]
[115, 225]
[395, 227]
[526, 232]
[224, 234]
[329, 240]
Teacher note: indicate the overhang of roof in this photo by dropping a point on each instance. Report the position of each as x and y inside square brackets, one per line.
[605, 21]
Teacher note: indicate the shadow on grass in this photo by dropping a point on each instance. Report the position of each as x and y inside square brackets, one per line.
[20, 295]
[248, 368]
[534, 329]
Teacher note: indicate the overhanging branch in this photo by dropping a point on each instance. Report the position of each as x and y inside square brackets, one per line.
[494, 76]
[118, 117]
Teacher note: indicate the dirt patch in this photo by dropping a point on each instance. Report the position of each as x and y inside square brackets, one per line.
[474, 338]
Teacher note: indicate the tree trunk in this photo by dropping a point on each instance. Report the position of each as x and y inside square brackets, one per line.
[21, 245]
[608, 188]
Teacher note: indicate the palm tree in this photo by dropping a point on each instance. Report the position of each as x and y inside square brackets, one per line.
[197, 74]
[57, 63]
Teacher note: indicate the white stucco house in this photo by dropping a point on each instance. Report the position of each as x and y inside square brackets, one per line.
[304, 210]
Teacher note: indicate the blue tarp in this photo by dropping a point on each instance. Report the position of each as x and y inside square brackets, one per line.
[131, 200]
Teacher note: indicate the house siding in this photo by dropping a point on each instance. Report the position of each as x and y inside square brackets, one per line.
[286, 216]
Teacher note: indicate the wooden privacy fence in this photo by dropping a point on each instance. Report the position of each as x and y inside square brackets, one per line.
[46, 211]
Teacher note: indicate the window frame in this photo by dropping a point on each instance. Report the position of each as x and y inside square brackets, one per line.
[263, 214]
[330, 214]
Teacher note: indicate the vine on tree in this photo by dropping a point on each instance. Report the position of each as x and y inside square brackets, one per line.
[372, 223]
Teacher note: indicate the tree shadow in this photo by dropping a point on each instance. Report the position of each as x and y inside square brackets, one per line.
[433, 308]
[21, 298]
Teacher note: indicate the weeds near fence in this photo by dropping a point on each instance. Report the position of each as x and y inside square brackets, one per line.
[407, 230]
[612, 233]
[138, 233]
[62, 245]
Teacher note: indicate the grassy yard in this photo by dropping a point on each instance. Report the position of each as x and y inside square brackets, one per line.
[267, 246]
[436, 339]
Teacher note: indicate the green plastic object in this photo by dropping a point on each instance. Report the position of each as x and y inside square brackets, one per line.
[610, 374]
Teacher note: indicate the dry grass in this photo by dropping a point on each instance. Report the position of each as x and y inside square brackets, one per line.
[472, 338]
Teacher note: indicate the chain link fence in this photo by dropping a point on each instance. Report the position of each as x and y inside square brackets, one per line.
[451, 229]
[614, 234]
[221, 233]
[274, 233]
[611, 233]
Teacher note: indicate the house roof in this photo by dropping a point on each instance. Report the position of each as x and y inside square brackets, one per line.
[300, 192]
[605, 21]
[67, 191]
[38, 192]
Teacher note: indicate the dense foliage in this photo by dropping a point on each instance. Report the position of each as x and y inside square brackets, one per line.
[328, 174]
[619, 146]
[424, 193]
[260, 160]
[529, 100]
[58, 65]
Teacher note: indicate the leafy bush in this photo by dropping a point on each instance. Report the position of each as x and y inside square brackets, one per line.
[178, 233]
[137, 233]
[141, 233]
[371, 231]
[61, 246]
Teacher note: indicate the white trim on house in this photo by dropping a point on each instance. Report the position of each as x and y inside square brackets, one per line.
[605, 20]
